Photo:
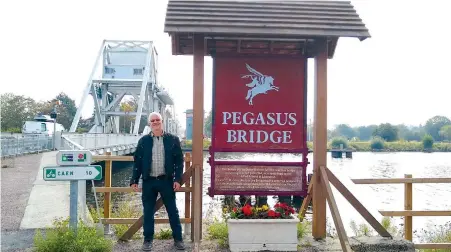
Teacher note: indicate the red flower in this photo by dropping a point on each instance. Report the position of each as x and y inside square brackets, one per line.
[247, 210]
[271, 213]
[234, 209]
[277, 214]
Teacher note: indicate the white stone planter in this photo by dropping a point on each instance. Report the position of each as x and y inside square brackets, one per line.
[263, 234]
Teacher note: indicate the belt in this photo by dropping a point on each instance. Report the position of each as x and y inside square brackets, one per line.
[161, 177]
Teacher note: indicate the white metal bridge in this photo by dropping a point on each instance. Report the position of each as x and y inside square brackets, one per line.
[122, 68]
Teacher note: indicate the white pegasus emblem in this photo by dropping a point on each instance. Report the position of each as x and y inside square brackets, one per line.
[260, 84]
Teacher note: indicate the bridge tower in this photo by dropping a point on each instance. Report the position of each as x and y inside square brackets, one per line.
[125, 68]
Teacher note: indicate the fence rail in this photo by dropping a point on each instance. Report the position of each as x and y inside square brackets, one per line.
[408, 211]
[108, 189]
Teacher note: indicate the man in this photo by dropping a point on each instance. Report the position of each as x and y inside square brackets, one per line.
[159, 159]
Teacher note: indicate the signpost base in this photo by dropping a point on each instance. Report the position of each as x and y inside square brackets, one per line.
[73, 211]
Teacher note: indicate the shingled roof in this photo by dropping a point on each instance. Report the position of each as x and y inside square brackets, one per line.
[258, 18]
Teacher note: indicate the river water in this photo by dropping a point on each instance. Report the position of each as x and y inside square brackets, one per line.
[362, 165]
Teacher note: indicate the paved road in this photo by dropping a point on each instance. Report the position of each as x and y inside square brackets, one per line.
[16, 184]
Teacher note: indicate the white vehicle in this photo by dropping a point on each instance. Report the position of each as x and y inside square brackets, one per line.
[41, 125]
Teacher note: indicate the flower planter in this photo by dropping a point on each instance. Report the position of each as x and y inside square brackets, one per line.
[262, 234]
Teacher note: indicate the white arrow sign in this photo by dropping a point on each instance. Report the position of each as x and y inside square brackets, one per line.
[65, 173]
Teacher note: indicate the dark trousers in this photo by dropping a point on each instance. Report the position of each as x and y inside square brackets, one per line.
[150, 190]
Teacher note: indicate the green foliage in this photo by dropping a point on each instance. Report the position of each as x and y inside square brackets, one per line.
[387, 132]
[389, 226]
[123, 210]
[377, 143]
[219, 231]
[344, 130]
[15, 109]
[445, 132]
[189, 144]
[434, 125]
[361, 230]
[428, 141]
[438, 234]
[163, 234]
[14, 130]
[207, 124]
[338, 141]
[303, 228]
[60, 238]
[365, 133]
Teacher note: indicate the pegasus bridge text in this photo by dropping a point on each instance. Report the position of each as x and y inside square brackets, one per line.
[275, 120]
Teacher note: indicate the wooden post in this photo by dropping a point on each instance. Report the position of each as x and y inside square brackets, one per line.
[198, 125]
[320, 142]
[408, 206]
[107, 195]
[187, 194]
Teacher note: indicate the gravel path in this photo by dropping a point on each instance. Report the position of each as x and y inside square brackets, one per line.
[17, 182]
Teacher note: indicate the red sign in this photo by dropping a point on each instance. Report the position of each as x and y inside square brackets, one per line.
[259, 104]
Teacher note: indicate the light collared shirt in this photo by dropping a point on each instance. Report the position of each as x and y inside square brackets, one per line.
[157, 156]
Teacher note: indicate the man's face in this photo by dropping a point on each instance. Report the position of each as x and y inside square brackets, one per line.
[155, 122]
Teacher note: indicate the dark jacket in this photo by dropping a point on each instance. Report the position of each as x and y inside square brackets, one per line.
[173, 158]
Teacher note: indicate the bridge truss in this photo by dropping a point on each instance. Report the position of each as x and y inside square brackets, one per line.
[126, 68]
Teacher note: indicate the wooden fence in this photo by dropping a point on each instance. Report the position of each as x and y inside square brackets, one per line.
[108, 189]
[408, 211]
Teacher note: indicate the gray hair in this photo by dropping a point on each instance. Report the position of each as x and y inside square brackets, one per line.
[155, 114]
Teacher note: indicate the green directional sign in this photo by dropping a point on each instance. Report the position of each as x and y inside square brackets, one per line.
[66, 173]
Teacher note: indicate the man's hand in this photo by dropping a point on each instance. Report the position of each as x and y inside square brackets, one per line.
[176, 186]
[135, 187]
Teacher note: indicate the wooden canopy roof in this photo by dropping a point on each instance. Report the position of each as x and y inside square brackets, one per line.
[261, 27]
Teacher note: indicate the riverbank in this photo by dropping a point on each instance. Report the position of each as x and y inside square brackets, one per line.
[365, 146]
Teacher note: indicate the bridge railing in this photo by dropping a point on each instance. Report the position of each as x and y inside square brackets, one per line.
[21, 144]
[100, 140]
[108, 189]
[408, 211]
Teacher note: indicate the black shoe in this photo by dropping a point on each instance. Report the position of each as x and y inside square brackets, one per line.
[147, 246]
[179, 245]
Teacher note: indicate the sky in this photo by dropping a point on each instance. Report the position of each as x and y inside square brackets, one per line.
[400, 75]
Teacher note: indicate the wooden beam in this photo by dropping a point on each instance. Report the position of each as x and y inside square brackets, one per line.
[357, 205]
[424, 213]
[139, 223]
[408, 229]
[402, 181]
[432, 246]
[133, 220]
[112, 158]
[320, 143]
[107, 181]
[198, 136]
[306, 201]
[334, 212]
[130, 190]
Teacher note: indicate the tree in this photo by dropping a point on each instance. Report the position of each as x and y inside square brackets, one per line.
[15, 109]
[387, 132]
[208, 124]
[364, 133]
[344, 130]
[434, 125]
[66, 111]
[445, 132]
[126, 121]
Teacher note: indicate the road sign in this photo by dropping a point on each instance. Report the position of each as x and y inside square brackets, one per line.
[74, 157]
[66, 173]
